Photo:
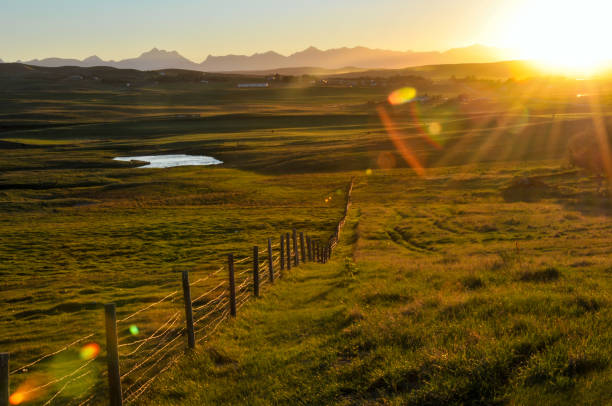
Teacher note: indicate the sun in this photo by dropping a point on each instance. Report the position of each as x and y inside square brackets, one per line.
[566, 36]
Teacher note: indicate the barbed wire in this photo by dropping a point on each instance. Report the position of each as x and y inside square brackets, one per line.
[144, 372]
[219, 305]
[207, 276]
[54, 381]
[152, 355]
[219, 320]
[208, 292]
[48, 402]
[173, 319]
[220, 296]
[132, 397]
[51, 354]
[148, 307]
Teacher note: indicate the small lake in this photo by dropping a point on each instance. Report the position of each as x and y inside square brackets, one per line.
[170, 161]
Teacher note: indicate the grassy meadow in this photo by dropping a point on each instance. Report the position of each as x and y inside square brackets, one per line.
[441, 292]
[458, 286]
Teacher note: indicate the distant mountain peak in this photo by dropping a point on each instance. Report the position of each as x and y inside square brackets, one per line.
[155, 52]
[358, 56]
[93, 58]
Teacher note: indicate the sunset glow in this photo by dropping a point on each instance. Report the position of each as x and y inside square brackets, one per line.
[568, 37]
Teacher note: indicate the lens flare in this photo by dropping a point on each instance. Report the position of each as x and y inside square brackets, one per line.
[16, 398]
[402, 148]
[368, 172]
[134, 330]
[434, 128]
[32, 388]
[401, 96]
[89, 351]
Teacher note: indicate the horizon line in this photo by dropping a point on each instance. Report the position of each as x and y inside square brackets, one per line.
[155, 48]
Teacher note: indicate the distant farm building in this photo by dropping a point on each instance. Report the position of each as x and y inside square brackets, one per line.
[241, 85]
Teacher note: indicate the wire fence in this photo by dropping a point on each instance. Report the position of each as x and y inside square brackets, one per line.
[136, 359]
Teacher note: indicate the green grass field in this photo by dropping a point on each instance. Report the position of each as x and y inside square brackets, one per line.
[454, 287]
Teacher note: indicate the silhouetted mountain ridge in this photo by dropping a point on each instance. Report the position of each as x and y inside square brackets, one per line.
[358, 57]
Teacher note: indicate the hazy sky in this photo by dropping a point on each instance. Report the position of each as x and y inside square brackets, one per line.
[115, 29]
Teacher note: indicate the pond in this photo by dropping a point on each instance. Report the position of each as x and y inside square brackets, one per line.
[169, 161]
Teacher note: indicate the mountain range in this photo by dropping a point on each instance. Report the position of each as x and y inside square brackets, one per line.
[357, 57]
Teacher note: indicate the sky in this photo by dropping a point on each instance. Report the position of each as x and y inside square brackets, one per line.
[118, 29]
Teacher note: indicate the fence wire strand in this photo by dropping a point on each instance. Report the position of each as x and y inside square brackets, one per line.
[51, 354]
[147, 307]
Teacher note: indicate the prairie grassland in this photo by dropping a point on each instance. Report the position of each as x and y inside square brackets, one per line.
[123, 236]
[446, 289]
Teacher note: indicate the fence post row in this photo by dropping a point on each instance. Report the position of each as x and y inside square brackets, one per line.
[282, 253]
[288, 252]
[188, 310]
[4, 378]
[296, 256]
[256, 271]
[311, 250]
[232, 285]
[302, 248]
[112, 355]
[270, 260]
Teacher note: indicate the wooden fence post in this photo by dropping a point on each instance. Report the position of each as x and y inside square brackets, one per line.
[232, 285]
[256, 271]
[112, 355]
[320, 246]
[317, 256]
[270, 260]
[296, 255]
[282, 253]
[188, 310]
[308, 248]
[4, 379]
[288, 252]
[302, 248]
